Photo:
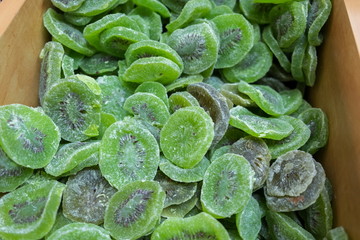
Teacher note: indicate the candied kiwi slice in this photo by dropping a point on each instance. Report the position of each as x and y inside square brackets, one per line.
[86, 196]
[200, 226]
[181, 99]
[236, 39]
[152, 21]
[70, 155]
[197, 45]
[256, 12]
[80, 231]
[28, 136]
[134, 210]
[231, 92]
[227, 185]
[309, 65]
[99, 64]
[191, 11]
[74, 104]
[291, 174]
[128, 152]
[66, 5]
[11, 174]
[257, 153]
[186, 136]
[29, 212]
[317, 122]
[155, 6]
[318, 14]
[176, 192]
[65, 33]
[337, 233]
[215, 104]
[155, 88]
[288, 22]
[180, 210]
[50, 71]
[183, 82]
[93, 7]
[282, 226]
[152, 69]
[252, 67]
[179, 174]
[257, 126]
[248, 221]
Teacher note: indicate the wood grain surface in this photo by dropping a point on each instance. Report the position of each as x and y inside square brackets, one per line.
[20, 44]
[337, 92]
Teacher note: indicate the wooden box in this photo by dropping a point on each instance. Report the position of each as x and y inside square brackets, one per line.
[337, 90]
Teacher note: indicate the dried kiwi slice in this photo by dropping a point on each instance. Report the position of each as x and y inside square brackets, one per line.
[67, 66]
[227, 185]
[197, 45]
[29, 212]
[256, 12]
[65, 33]
[252, 67]
[67, 6]
[74, 104]
[337, 233]
[28, 136]
[128, 152]
[309, 65]
[183, 82]
[180, 210]
[99, 64]
[155, 88]
[175, 6]
[70, 155]
[257, 153]
[152, 21]
[60, 221]
[187, 136]
[76, 19]
[86, 196]
[179, 174]
[50, 70]
[93, 7]
[231, 92]
[182, 99]
[134, 210]
[155, 6]
[317, 16]
[200, 226]
[192, 10]
[236, 39]
[248, 221]
[11, 174]
[215, 104]
[80, 231]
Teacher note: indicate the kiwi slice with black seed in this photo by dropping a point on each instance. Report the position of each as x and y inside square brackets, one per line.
[86, 196]
[29, 212]
[28, 136]
[11, 174]
[200, 226]
[197, 45]
[99, 64]
[74, 104]
[134, 210]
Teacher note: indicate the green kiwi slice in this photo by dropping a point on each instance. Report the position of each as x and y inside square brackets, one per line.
[155, 6]
[181, 99]
[179, 174]
[116, 40]
[257, 126]
[215, 104]
[319, 216]
[227, 185]
[74, 104]
[297, 58]
[197, 45]
[155, 88]
[50, 71]
[77, 20]
[114, 92]
[252, 67]
[180, 210]
[29, 212]
[80, 231]
[200, 226]
[67, 6]
[183, 82]
[317, 122]
[86, 196]
[128, 152]
[337, 233]
[151, 48]
[70, 155]
[318, 14]
[65, 33]
[60, 221]
[186, 136]
[303, 200]
[298, 137]
[309, 65]
[28, 136]
[256, 12]
[283, 227]
[192, 10]
[231, 92]
[152, 69]
[11, 174]
[67, 66]
[229, 3]
[99, 64]
[175, 6]
[248, 221]
[152, 21]
[288, 22]
[219, 10]
[236, 39]
[257, 153]
[134, 210]
[93, 7]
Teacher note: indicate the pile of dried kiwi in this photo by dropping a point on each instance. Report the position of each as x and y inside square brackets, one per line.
[170, 120]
